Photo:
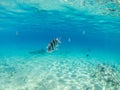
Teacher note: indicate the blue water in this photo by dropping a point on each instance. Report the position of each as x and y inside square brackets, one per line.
[84, 28]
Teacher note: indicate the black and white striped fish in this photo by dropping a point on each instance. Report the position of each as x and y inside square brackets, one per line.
[53, 45]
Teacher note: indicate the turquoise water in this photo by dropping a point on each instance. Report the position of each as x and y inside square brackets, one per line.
[88, 57]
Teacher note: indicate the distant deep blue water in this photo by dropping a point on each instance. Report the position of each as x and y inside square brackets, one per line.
[84, 27]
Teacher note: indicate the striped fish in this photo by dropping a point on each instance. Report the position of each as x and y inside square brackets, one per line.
[53, 45]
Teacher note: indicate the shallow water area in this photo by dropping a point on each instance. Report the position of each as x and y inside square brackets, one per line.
[88, 57]
[58, 70]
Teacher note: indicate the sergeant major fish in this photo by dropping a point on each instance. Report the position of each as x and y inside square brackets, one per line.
[53, 45]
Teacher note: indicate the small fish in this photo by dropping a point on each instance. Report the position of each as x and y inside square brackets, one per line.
[17, 33]
[53, 45]
[69, 39]
[87, 55]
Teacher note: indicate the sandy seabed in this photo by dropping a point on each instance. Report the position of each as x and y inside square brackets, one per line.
[57, 71]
